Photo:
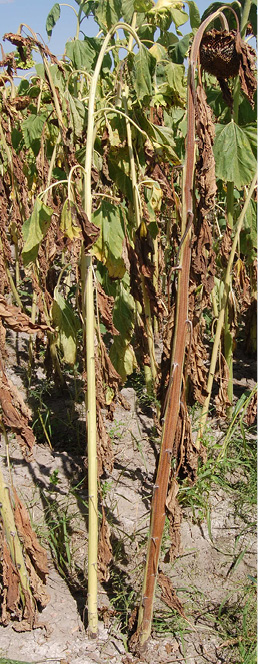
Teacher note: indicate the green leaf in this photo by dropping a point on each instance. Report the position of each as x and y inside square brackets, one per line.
[83, 53]
[52, 18]
[179, 17]
[166, 11]
[177, 52]
[176, 78]
[144, 65]
[194, 15]
[34, 230]
[248, 236]
[109, 245]
[119, 170]
[108, 13]
[123, 358]
[77, 113]
[158, 51]
[123, 314]
[32, 129]
[234, 149]
[67, 326]
[143, 6]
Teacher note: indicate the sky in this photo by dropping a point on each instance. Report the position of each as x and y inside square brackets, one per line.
[34, 13]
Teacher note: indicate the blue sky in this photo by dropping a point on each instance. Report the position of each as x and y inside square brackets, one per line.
[34, 13]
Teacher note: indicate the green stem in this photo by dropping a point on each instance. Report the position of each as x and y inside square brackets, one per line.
[220, 322]
[89, 333]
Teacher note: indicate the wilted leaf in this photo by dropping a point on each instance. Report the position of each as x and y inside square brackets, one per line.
[119, 170]
[123, 357]
[108, 247]
[67, 325]
[234, 149]
[176, 78]
[158, 51]
[178, 51]
[108, 13]
[32, 129]
[144, 66]
[123, 312]
[83, 53]
[34, 230]
[68, 223]
[77, 111]
[52, 18]
[106, 307]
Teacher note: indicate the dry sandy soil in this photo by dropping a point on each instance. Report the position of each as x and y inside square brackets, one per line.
[204, 575]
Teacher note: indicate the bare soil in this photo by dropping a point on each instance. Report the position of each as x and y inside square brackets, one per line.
[205, 575]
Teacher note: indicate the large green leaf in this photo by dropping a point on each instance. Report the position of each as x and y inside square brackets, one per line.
[144, 66]
[194, 15]
[52, 18]
[178, 51]
[109, 245]
[67, 326]
[176, 78]
[34, 230]
[32, 129]
[83, 53]
[234, 152]
[123, 358]
[77, 113]
[108, 13]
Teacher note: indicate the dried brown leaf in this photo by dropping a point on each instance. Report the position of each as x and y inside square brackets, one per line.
[251, 329]
[16, 320]
[242, 285]
[104, 550]
[16, 417]
[197, 369]
[169, 595]
[33, 548]
[251, 411]
[104, 447]
[205, 167]
[226, 245]
[248, 80]
[106, 306]
[11, 592]
[203, 265]
[222, 401]
[90, 232]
